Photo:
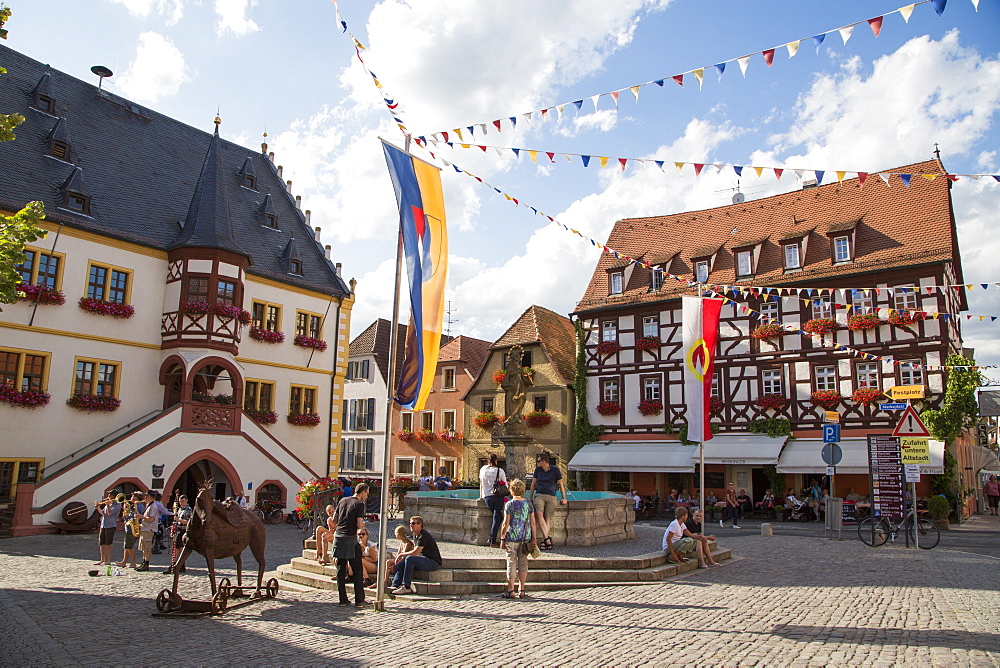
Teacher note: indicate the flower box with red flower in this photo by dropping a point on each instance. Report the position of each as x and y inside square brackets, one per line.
[904, 318]
[609, 408]
[229, 312]
[771, 401]
[405, 435]
[266, 335]
[715, 406]
[828, 399]
[538, 418]
[498, 376]
[608, 347]
[447, 436]
[486, 420]
[310, 342]
[650, 407]
[648, 343]
[768, 332]
[94, 403]
[821, 326]
[863, 321]
[23, 398]
[304, 419]
[261, 417]
[40, 294]
[425, 435]
[101, 307]
[195, 308]
[866, 395]
[308, 491]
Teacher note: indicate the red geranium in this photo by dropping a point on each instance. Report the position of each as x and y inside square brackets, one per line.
[261, 417]
[828, 399]
[304, 419]
[771, 401]
[229, 311]
[538, 418]
[648, 343]
[486, 420]
[266, 335]
[23, 398]
[405, 435]
[425, 435]
[94, 403]
[608, 347]
[310, 342]
[609, 408]
[863, 321]
[101, 307]
[767, 332]
[40, 293]
[903, 318]
[650, 406]
[821, 326]
[866, 395]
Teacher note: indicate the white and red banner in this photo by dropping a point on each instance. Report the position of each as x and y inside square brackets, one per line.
[701, 338]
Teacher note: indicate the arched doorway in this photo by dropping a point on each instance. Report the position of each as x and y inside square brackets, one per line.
[172, 386]
[200, 467]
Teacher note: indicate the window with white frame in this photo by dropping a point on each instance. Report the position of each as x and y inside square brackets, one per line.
[656, 277]
[701, 271]
[842, 249]
[768, 310]
[822, 308]
[744, 264]
[617, 280]
[427, 420]
[863, 302]
[404, 465]
[826, 378]
[793, 259]
[905, 297]
[609, 389]
[448, 378]
[651, 390]
[911, 373]
[770, 381]
[447, 420]
[867, 374]
[609, 330]
[650, 325]
[406, 421]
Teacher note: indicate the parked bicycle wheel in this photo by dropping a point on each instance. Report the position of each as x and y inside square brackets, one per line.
[274, 516]
[259, 513]
[881, 531]
[928, 533]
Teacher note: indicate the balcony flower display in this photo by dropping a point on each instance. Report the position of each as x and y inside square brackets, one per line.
[23, 398]
[309, 342]
[94, 403]
[863, 321]
[768, 332]
[775, 402]
[266, 335]
[715, 406]
[650, 406]
[904, 318]
[608, 347]
[486, 420]
[538, 418]
[425, 435]
[310, 489]
[401, 482]
[304, 419]
[609, 408]
[498, 376]
[866, 395]
[232, 312]
[101, 307]
[828, 399]
[446, 436]
[261, 417]
[41, 294]
[195, 308]
[821, 326]
[405, 435]
[648, 343]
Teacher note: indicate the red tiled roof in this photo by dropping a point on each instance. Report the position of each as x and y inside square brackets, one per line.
[473, 352]
[896, 227]
[555, 332]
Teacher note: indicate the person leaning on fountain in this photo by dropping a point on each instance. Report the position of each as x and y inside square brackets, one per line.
[544, 482]
[424, 555]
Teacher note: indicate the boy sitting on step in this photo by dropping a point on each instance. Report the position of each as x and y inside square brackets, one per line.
[678, 541]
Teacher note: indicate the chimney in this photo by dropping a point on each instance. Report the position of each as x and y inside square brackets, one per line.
[298, 202]
[309, 215]
[280, 169]
[338, 268]
[270, 156]
[288, 187]
[326, 251]
[318, 230]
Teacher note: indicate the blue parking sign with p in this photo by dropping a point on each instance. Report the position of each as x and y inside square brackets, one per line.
[831, 433]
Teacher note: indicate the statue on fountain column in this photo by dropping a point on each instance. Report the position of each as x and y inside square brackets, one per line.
[515, 394]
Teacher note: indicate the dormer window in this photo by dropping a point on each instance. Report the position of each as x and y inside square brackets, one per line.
[41, 95]
[617, 281]
[250, 181]
[744, 263]
[77, 202]
[793, 256]
[842, 249]
[701, 271]
[295, 267]
[45, 103]
[656, 277]
[59, 149]
[271, 220]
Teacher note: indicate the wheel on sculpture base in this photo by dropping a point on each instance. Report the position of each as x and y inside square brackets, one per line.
[219, 602]
[226, 585]
[272, 588]
[163, 600]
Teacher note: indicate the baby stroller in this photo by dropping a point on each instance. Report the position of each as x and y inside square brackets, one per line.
[797, 513]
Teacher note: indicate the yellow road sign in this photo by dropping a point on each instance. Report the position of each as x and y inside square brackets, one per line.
[897, 392]
[915, 450]
[832, 416]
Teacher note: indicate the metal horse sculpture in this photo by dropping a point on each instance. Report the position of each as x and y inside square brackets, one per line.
[218, 531]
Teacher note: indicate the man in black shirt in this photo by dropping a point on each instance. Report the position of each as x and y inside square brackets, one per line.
[350, 516]
[424, 556]
[694, 526]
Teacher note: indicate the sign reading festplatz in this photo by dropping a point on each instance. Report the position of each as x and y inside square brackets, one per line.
[885, 461]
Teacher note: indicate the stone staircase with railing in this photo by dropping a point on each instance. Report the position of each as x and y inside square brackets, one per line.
[487, 574]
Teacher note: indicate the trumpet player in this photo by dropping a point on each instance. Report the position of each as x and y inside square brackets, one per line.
[150, 519]
[109, 508]
[132, 513]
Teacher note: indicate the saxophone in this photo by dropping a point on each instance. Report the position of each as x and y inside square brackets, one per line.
[131, 524]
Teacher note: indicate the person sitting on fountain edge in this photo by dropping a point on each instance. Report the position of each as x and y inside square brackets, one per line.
[424, 556]
[544, 481]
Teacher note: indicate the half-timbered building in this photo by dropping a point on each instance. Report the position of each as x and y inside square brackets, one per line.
[860, 265]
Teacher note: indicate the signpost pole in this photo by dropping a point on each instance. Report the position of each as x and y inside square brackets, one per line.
[916, 532]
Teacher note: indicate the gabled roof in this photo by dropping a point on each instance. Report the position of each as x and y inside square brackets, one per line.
[375, 341]
[899, 227]
[472, 352]
[555, 332]
[143, 172]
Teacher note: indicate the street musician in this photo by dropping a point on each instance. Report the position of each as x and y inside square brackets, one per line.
[109, 508]
[131, 512]
[182, 515]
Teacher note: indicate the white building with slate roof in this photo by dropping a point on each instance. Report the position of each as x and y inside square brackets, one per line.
[181, 320]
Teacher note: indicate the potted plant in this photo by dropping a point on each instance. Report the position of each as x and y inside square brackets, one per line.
[939, 510]
[775, 402]
[41, 294]
[866, 395]
[446, 436]
[715, 406]
[310, 342]
[821, 326]
[101, 307]
[650, 407]
[94, 403]
[23, 398]
[779, 511]
[486, 421]
[425, 435]
[405, 435]
[538, 418]
[768, 332]
[261, 417]
[304, 419]
[266, 335]
[228, 311]
[194, 309]
[828, 399]
[608, 347]
[904, 318]
[609, 408]
[863, 321]
[648, 343]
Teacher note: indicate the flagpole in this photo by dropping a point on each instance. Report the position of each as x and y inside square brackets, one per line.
[390, 387]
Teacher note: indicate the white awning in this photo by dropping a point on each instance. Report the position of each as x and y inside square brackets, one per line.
[983, 459]
[634, 456]
[803, 456]
[741, 450]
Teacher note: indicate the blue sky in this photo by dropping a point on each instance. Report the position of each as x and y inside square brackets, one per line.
[283, 64]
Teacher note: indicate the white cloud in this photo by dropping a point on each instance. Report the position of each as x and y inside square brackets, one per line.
[233, 17]
[157, 71]
[172, 10]
[603, 120]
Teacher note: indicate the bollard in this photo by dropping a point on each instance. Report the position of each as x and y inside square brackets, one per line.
[766, 529]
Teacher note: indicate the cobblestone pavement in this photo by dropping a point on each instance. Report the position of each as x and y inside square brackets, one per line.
[794, 599]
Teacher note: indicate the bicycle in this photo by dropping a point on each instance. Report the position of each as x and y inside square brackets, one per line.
[876, 531]
[304, 523]
[269, 512]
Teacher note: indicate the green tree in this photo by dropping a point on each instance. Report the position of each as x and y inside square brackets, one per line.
[22, 227]
[959, 411]
[583, 431]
